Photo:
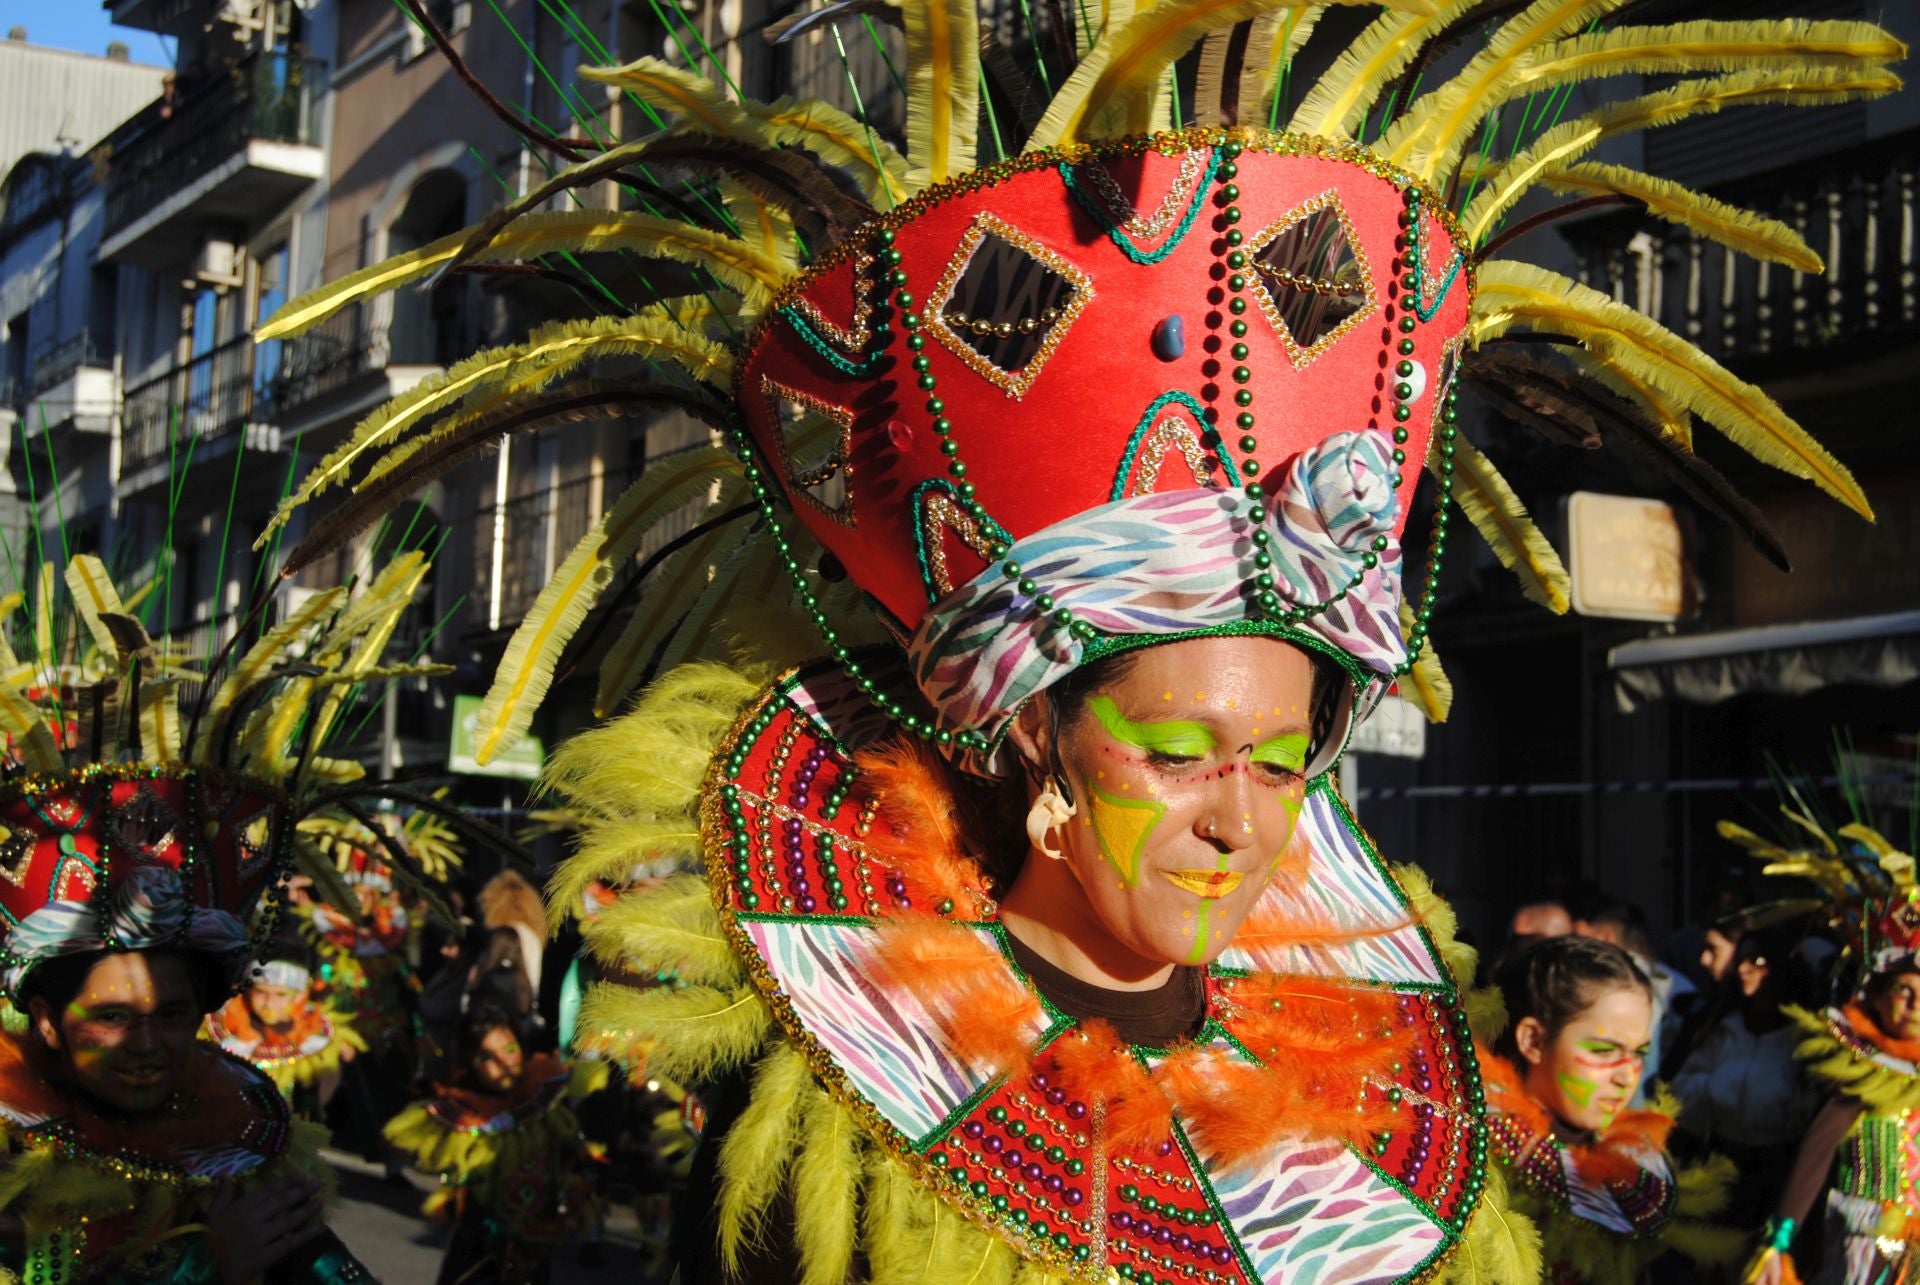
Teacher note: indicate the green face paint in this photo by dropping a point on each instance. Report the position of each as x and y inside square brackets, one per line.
[1122, 826]
[1578, 1088]
[1177, 738]
[1288, 752]
[1199, 950]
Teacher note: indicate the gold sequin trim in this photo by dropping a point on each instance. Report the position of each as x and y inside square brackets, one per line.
[939, 514]
[860, 335]
[1147, 227]
[838, 463]
[1012, 383]
[1171, 433]
[1301, 356]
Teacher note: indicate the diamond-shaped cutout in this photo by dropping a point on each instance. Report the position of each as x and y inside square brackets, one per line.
[1310, 277]
[147, 828]
[816, 443]
[1005, 302]
[16, 854]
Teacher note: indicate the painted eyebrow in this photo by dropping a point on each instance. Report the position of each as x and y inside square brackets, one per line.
[1287, 751]
[1177, 737]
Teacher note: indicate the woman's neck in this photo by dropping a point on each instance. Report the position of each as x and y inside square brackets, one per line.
[1048, 911]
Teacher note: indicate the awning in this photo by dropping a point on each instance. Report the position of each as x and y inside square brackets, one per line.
[1787, 660]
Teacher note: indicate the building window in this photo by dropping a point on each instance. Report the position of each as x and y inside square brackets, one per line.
[270, 293]
[452, 16]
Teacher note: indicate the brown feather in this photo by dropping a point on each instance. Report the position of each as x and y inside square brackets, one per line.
[1023, 93]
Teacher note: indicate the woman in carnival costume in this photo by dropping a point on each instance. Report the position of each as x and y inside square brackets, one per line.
[1863, 1148]
[137, 1152]
[1036, 940]
[284, 1023]
[1593, 1175]
[504, 1142]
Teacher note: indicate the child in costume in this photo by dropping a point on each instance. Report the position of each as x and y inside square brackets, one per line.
[505, 1144]
[1862, 1150]
[283, 1023]
[1593, 1175]
[137, 1152]
[1034, 938]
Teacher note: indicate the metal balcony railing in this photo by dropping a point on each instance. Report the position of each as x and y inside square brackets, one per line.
[342, 349]
[1857, 212]
[207, 397]
[536, 532]
[268, 96]
[57, 364]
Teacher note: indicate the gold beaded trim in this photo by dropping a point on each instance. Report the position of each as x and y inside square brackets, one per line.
[1257, 278]
[838, 463]
[939, 514]
[856, 338]
[1147, 227]
[1171, 433]
[1014, 383]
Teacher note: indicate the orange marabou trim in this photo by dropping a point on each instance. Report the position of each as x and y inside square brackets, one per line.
[908, 784]
[1616, 1153]
[1862, 1024]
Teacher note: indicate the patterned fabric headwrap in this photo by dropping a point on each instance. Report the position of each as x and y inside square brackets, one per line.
[149, 910]
[1167, 564]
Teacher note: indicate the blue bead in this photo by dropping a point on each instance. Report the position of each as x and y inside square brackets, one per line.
[1170, 338]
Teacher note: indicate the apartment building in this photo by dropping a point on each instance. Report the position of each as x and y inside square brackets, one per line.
[292, 144]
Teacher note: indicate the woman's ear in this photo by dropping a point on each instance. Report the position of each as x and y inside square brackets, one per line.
[1032, 735]
[1530, 1037]
[40, 1013]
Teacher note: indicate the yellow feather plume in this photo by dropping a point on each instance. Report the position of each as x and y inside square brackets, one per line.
[159, 720]
[876, 166]
[93, 593]
[1426, 684]
[1512, 294]
[1501, 1244]
[694, 1032]
[259, 660]
[672, 588]
[673, 927]
[943, 88]
[1341, 98]
[577, 231]
[1752, 842]
[1563, 144]
[826, 1191]
[1738, 229]
[1500, 518]
[1675, 422]
[756, 1151]
[27, 732]
[753, 575]
[1426, 138]
[548, 353]
[525, 671]
[1784, 46]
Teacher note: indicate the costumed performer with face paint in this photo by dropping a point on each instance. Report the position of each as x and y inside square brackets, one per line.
[1033, 938]
[503, 1140]
[136, 1151]
[1593, 1175]
[283, 1023]
[1863, 1148]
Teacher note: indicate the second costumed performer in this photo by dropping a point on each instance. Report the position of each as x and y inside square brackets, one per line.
[1037, 942]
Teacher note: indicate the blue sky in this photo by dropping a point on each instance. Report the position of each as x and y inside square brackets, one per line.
[81, 25]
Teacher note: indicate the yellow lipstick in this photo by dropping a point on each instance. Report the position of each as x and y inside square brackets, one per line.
[1204, 883]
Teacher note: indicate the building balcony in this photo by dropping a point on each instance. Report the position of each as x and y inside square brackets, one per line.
[199, 409]
[1856, 209]
[217, 158]
[349, 364]
[72, 387]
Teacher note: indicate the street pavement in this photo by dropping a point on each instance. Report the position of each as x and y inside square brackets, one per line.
[380, 1222]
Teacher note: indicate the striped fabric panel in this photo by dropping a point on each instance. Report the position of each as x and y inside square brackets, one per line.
[1346, 884]
[1322, 1215]
[1595, 1203]
[884, 1041]
[1167, 563]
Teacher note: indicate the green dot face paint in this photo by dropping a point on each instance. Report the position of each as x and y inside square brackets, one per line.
[1178, 738]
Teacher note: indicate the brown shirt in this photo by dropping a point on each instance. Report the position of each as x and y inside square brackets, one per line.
[1156, 1019]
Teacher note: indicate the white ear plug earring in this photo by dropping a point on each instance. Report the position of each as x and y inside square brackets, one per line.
[1050, 810]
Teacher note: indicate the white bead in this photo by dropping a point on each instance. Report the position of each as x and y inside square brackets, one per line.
[1416, 381]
